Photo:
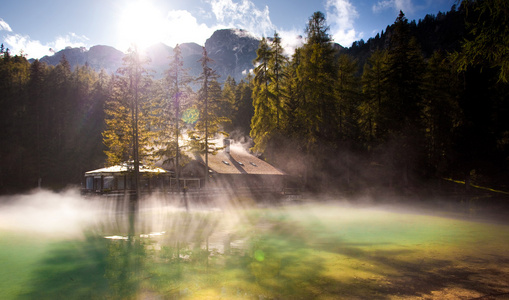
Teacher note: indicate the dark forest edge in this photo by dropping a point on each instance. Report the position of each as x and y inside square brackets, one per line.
[419, 102]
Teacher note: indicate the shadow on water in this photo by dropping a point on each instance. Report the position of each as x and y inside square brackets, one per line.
[95, 267]
[71, 270]
[263, 254]
[405, 271]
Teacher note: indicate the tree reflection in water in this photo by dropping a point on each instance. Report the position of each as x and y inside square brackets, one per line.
[300, 253]
[198, 254]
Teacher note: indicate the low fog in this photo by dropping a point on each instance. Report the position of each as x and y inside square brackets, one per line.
[358, 247]
[69, 214]
[48, 213]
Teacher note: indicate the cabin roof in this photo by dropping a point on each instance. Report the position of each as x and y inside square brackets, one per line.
[122, 168]
[239, 162]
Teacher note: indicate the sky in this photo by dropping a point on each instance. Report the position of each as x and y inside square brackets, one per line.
[40, 27]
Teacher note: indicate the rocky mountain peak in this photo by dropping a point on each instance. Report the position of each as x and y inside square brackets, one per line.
[97, 57]
[231, 40]
[233, 52]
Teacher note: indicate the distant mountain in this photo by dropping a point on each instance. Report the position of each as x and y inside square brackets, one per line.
[192, 53]
[233, 52]
[97, 57]
[160, 57]
[105, 57]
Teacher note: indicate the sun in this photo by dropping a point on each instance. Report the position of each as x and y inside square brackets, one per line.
[140, 24]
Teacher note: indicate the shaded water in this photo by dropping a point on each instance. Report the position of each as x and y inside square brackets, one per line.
[59, 246]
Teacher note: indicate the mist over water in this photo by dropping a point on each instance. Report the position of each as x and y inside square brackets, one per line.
[68, 213]
[48, 213]
[236, 247]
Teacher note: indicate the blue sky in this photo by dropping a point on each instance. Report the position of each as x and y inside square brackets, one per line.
[38, 27]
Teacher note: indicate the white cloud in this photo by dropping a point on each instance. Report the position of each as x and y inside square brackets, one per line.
[182, 27]
[404, 5]
[341, 15]
[291, 40]
[35, 49]
[243, 15]
[71, 40]
[4, 25]
[382, 5]
[171, 27]
[146, 25]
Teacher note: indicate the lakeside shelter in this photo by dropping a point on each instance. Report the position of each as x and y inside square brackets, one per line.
[120, 179]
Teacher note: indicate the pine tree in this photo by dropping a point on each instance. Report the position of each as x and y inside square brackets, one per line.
[263, 121]
[277, 65]
[38, 73]
[229, 107]
[128, 136]
[489, 41]
[293, 123]
[82, 151]
[268, 94]
[441, 113]
[176, 98]
[347, 92]
[209, 105]
[100, 93]
[244, 110]
[317, 72]
[14, 149]
[400, 111]
[59, 118]
[404, 70]
[373, 90]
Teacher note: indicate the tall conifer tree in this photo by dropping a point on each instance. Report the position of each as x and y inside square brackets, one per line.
[373, 90]
[128, 134]
[277, 69]
[317, 72]
[209, 105]
[262, 122]
[177, 99]
[347, 93]
[400, 111]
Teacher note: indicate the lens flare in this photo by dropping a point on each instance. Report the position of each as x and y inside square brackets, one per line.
[190, 116]
[259, 255]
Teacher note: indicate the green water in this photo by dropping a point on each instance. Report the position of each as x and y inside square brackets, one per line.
[297, 252]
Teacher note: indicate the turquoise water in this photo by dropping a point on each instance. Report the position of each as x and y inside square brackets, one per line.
[319, 251]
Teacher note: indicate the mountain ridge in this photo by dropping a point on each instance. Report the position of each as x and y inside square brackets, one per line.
[232, 50]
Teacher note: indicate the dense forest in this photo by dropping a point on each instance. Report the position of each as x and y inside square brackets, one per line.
[419, 102]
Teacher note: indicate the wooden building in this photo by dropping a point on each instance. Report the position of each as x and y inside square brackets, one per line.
[235, 169]
[232, 170]
[120, 179]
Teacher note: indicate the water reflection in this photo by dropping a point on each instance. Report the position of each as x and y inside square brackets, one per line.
[198, 254]
[164, 252]
[125, 267]
[71, 270]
